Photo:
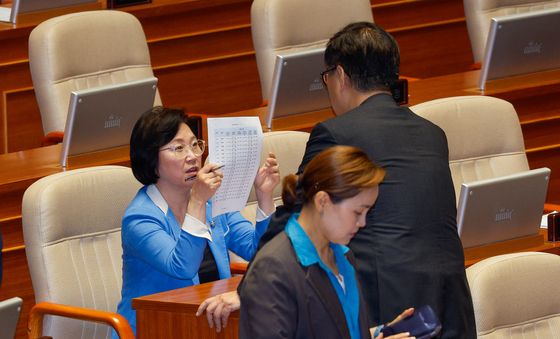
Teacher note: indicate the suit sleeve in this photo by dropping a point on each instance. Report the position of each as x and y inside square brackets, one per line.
[319, 140]
[268, 307]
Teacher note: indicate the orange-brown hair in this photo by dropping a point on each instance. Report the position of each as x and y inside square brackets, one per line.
[340, 171]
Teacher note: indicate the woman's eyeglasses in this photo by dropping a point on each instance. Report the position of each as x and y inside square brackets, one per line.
[180, 150]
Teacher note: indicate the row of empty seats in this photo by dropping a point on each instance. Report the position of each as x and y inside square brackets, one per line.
[89, 49]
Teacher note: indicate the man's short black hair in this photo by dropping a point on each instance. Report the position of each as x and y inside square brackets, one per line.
[155, 128]
[367, 53]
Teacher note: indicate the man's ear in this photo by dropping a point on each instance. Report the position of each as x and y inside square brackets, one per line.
[343, 78]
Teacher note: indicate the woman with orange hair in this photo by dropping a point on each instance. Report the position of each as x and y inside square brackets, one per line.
[302, 284]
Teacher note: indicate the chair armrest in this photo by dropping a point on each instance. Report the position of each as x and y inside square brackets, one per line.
[551, 208]
[238, 267]
[52, 138]
[476, 66]
[115, 320]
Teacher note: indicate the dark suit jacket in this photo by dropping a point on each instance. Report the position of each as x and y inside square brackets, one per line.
[409, 253]
[282, 299]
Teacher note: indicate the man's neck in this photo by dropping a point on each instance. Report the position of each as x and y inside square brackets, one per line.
[359, 97]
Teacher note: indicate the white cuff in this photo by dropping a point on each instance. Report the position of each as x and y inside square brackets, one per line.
[195, 227]
[261, 215]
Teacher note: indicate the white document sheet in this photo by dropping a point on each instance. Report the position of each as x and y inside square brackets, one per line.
[235, 143]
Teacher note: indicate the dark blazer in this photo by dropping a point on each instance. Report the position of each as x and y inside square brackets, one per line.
[282, 299]
[409, 254]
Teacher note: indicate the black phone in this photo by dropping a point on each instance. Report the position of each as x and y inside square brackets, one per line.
[399, 91]
[422, 324]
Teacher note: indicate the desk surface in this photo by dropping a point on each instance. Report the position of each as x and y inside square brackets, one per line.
[36, 163]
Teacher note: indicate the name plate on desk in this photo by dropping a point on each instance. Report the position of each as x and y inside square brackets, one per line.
[123, 3]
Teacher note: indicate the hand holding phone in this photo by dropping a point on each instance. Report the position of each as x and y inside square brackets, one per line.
[422, 324]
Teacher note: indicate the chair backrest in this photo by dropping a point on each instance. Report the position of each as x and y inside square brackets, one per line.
[478, 14]
[72, 234]
[483, 135]
[289, 24]
[514, 295]
[83, 50]
[288, 146]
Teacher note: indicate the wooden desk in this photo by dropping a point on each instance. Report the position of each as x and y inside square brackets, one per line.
[171, 314]
[536, 243]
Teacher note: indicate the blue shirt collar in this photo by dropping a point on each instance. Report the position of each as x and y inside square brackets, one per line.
[305, 250]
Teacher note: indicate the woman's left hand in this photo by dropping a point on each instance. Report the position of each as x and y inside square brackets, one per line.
[268, 177]
[218, 309]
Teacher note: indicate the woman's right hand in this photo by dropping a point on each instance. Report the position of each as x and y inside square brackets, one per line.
[406, 313]
[207, 183]
[218, 309]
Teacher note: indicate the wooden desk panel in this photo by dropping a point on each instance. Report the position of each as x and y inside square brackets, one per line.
[171, 314]
[537, 243]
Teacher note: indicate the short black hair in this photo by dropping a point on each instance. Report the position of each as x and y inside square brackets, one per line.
[154, 129]
[368, 54]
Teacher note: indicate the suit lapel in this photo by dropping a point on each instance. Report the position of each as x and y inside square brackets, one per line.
[320, 282]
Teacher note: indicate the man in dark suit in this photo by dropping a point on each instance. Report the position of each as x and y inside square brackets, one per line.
[409, 254]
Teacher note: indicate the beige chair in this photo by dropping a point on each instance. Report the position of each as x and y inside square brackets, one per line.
[83, 50]
[291, 24]
[71, 226]
[478, 14]
[483, 134]
[288, 146]
[515, 296]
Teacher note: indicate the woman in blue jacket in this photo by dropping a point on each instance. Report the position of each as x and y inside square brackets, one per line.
[167, 226]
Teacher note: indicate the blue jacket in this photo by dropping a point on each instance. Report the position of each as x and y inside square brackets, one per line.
[158, 255]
